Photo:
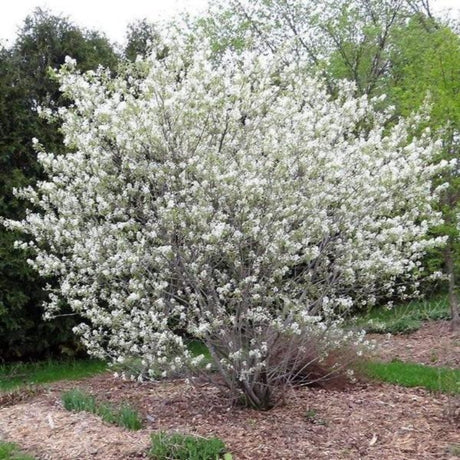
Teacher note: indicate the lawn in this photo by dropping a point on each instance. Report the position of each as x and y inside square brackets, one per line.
[414, 375]
[404, 318]
[17, 375]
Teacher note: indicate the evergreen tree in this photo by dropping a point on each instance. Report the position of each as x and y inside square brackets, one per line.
[25, 84]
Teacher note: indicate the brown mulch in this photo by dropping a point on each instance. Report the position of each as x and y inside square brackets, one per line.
[434, 344]
[364, 421]
[49, 432]
[10, 398]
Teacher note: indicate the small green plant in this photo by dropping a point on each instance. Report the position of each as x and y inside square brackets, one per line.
[252, 422]
[183, 447]
[125, 416]
[434, 357]
[129, 418]
[311, 415]
[107, 413]
[10, 451]
[454, 450]
[76, 400]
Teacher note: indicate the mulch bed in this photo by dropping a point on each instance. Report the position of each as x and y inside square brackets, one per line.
[434, 344]
[363, 421]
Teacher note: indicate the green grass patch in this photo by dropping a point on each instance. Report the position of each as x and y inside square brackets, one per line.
[125, 416]
[129, 418]
[17, 375]
[182, 447]
[78, 401]
[105, 411]
[402, 319]
[10, 451]
[414, 375]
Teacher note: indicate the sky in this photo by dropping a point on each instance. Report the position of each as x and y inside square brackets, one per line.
[113, 16]
[108, 16]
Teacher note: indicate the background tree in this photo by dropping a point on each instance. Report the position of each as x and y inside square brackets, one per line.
[141, 39]
[337, 38]
[426, 62]
[43, 42]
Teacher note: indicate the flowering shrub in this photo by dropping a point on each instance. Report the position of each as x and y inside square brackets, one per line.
[236, 202]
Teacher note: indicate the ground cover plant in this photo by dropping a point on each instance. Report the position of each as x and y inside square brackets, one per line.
[10, 451]
[182, 447]
[124, 415]
[16, 375]
[234, 202]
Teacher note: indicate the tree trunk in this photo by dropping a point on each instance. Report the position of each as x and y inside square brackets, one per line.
[453, 298]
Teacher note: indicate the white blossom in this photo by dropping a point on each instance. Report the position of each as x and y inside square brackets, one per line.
[238, 202]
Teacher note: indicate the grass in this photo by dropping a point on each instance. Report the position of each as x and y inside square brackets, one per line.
[129, 418]
[182, 447]
[78, 401]
[125, 416]
[414, 375]
[10, 451]
[404, 318]
[13, 376]
[453, 449]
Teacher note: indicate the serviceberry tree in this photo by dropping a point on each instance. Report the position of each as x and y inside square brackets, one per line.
[235, 203]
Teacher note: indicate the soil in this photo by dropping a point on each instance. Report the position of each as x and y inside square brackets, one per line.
[363, 421]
